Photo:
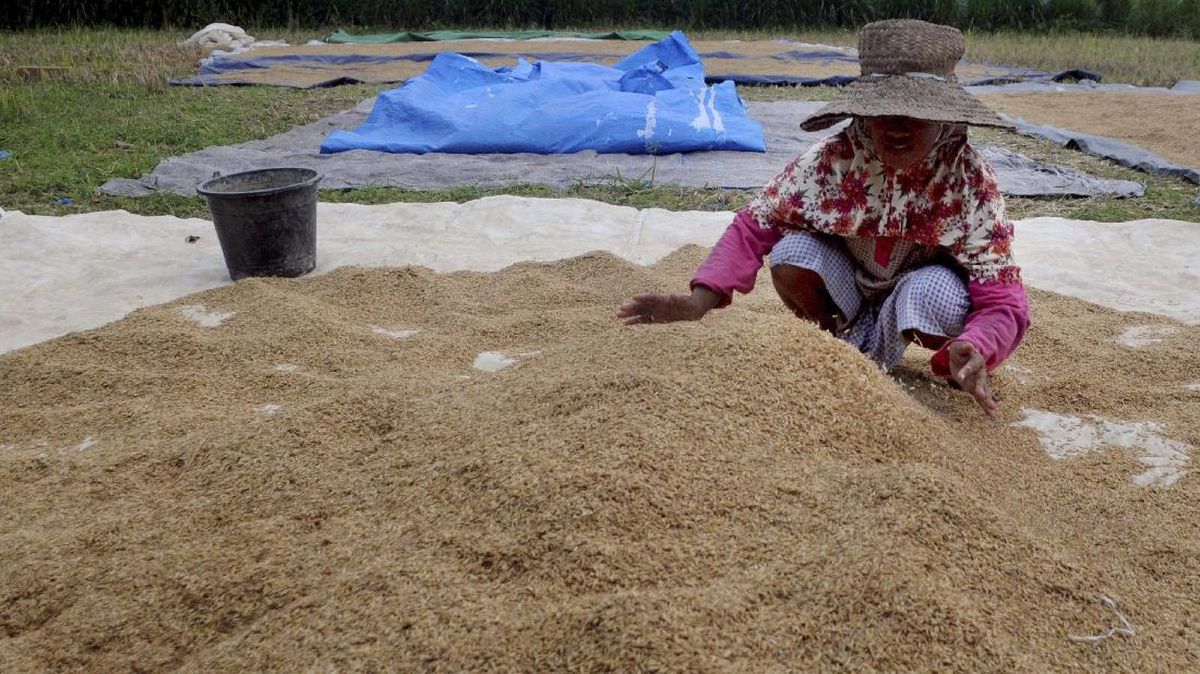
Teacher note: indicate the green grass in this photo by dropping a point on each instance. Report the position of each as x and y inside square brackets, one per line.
[635, 192]
[69, 138]
[1143, 61]
[107, 112]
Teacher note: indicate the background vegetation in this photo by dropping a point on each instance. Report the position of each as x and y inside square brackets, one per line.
[101, 108]
[1140, 17]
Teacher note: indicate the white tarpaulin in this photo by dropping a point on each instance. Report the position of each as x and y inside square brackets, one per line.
[1144, 265]
[62, 274]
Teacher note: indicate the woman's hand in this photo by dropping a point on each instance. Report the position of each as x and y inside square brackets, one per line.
[664, 308]
[970, 371]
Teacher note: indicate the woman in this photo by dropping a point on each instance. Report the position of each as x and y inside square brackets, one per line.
[889, 232]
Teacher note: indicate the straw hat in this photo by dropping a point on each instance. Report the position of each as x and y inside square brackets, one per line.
[907, 70]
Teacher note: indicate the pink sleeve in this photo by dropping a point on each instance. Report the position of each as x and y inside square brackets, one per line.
[997, 323]
[735, 260]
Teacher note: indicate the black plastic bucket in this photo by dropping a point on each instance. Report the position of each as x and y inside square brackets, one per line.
[266, 220]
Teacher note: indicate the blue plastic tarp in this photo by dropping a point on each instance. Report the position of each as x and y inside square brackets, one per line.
[653, 102]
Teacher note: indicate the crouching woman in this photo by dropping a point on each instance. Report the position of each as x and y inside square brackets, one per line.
[890, 232]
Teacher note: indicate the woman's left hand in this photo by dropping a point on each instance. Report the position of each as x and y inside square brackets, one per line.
[970, 371]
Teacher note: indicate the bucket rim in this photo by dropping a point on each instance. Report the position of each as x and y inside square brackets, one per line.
[313, 178]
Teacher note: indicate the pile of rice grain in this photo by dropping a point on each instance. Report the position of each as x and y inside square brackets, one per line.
[309, 484]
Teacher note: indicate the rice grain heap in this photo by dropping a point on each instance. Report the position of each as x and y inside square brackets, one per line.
[322, 479]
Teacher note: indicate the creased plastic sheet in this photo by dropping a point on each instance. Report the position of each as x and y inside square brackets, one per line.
[1055, 86]
[734, 170]
[653, 102]
[62, 274]
[1125, 154]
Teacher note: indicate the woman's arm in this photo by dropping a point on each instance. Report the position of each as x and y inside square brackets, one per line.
[995, 326]
[736, 258]
[734, 261]
[732, 265]
[999, 313]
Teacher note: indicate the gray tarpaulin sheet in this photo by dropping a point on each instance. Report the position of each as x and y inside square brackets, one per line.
[1018, 175]
[1126, 154]
[1181, 88]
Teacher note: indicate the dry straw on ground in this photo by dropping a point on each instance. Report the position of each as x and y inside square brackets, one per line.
[1166, 124]
[720, 57]
[298, 488]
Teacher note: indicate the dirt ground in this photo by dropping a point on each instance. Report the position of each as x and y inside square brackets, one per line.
[305, 482]
[1168, 125]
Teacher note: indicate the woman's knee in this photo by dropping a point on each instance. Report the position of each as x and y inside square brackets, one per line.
[792, 277]
[803, 291]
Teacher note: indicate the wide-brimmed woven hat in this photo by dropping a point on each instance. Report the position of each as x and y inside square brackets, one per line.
[907, 70]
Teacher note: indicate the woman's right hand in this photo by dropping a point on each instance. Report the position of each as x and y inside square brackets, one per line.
[664, 308]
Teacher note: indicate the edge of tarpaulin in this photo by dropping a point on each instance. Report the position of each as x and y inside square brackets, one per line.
[1125, 154]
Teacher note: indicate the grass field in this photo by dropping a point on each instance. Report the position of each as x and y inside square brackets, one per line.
[100, 108]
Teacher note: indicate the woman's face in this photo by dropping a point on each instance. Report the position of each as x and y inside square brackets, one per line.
[902, 141]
